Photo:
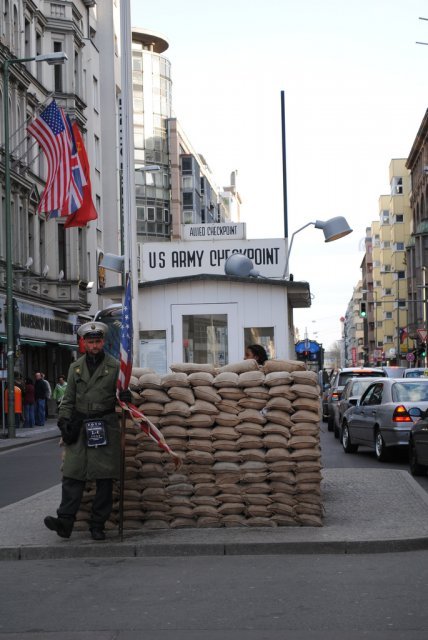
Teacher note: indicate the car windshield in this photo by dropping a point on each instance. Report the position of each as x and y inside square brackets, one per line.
[346, 375]
[410, 392]
[416, 373]
[359, 386]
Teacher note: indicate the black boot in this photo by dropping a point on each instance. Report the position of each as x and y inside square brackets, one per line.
[98, 534]
[62, 527]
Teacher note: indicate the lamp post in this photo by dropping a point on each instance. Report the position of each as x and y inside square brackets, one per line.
[50, 58]
[333, 229]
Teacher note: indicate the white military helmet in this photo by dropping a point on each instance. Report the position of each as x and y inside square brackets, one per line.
[92, 330]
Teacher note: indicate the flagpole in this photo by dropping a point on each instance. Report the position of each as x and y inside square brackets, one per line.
[128, 169]
[122, 472]
[128, 212]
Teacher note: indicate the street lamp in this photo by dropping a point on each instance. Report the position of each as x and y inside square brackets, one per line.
[333, 229]
[51, 58]
[374, 295]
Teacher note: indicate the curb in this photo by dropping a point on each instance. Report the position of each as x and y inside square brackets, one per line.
[25, 441]
[126, 550]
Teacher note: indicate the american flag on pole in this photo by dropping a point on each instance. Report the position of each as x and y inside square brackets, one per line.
[51, 132]
[126, 336]
[125, 359]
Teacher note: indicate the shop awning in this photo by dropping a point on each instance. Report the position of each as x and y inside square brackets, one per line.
[66, 345]
[33, 343]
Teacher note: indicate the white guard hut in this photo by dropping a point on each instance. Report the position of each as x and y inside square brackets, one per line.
[191, 311]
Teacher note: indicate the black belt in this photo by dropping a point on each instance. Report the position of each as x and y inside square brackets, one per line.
[94, 414]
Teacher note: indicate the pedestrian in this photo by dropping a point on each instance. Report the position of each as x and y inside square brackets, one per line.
[40, 397]
[48, 394]
[18, 403]
[29, 403]
[90, 431]
[58, 392]
[19, 382]
[256, 352]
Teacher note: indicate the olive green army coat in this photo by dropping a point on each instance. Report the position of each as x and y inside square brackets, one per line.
[93, 396]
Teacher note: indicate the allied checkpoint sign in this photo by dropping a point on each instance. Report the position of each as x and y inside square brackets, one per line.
[214, 231]
[162, 260]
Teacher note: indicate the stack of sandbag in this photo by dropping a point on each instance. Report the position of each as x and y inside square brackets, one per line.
[248, 437]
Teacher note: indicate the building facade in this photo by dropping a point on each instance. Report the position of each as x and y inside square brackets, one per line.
[387, 337]
[51, 264]
[417, 244]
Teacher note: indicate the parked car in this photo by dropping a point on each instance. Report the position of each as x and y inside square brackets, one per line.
[382, 417]
[418, 443]
[352, 392]
[416, 372]
[333, 392]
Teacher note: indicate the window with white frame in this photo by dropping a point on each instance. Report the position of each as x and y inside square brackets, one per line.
[96, 94]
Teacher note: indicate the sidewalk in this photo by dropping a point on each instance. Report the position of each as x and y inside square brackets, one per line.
[366, 511]
[36, 434]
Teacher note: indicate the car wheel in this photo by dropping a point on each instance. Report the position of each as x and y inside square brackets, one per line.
[416, 469]
[330, 423]
[347, 445]
[380, 449]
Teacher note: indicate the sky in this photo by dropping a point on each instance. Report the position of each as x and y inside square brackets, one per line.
[355, 85]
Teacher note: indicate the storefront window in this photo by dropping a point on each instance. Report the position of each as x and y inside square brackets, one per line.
[205, 339]
[263, 336]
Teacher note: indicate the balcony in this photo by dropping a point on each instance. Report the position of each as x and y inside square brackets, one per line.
[70, 295]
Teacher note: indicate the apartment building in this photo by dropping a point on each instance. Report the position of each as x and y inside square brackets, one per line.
[384, 286]
[417, 244]
[354, 354]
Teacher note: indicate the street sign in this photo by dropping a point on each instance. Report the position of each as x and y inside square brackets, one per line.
[410, 357]
[422, 333]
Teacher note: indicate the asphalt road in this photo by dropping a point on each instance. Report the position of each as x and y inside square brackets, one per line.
[29, 469]
[333, 457]
[375, 597]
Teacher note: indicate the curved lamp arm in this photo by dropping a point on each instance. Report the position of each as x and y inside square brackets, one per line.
[289, 248]
[333, 229]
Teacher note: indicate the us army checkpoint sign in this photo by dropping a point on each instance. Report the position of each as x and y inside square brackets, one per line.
[163, 260]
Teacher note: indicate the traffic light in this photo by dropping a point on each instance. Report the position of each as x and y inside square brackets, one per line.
[363, 309]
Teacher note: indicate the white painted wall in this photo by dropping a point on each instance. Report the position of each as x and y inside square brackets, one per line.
[257, 305]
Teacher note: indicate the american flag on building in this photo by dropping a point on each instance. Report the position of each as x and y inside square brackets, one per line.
[51, 132]
[74, 198]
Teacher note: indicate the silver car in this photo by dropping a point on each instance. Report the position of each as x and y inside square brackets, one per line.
[416, 372]
[381, 417]
[354, 389]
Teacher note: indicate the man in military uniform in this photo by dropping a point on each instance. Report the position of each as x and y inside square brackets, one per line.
[90, 431]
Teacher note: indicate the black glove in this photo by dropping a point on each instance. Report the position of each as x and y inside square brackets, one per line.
[70, 429]
[125, 396]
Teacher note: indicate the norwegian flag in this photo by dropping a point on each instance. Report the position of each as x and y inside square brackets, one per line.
[51, 132]
[126, 336]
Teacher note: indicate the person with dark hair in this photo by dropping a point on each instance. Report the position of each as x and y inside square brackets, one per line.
[29, 403]
[40, 396]
[256, 352]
